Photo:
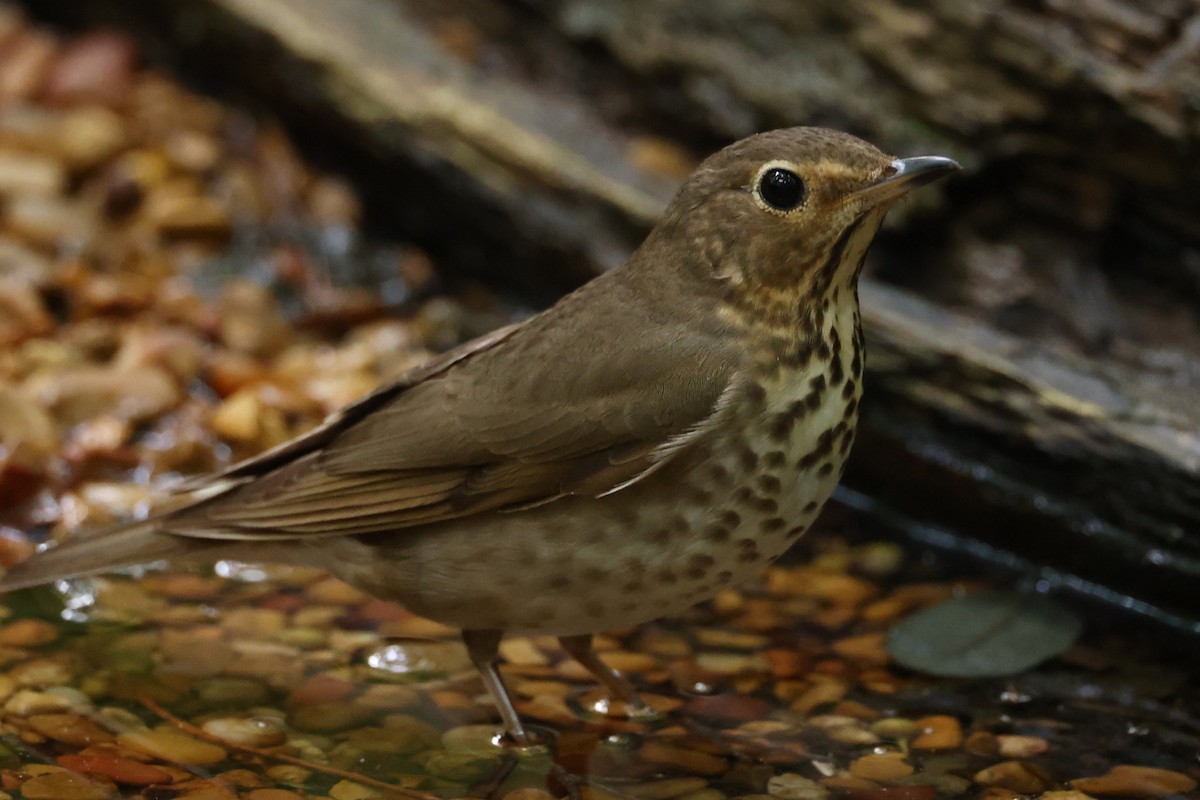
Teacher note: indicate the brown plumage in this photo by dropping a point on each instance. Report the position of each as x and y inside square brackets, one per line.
[660, 433]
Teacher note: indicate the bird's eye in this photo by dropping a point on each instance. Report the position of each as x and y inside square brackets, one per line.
[781, 188]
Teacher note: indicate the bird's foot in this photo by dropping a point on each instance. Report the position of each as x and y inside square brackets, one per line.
[597, 702]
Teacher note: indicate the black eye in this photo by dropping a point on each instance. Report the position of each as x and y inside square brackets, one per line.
[781, 188]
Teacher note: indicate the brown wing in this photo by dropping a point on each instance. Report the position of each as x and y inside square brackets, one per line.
[555, 406]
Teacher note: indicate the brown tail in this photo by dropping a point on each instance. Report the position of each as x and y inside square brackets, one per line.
[92, 553]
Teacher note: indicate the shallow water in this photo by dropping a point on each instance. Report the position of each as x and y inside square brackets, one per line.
[272, 684]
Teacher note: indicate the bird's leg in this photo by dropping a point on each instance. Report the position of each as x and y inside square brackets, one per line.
[580, 648]
[483, 647]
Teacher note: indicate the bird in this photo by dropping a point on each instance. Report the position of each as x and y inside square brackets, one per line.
[659, 434]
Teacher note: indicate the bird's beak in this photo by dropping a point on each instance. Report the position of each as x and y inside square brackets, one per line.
[903, 175]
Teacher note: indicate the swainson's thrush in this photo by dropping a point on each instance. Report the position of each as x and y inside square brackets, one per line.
[661, 433]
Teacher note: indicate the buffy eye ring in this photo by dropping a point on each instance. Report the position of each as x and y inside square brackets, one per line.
[781, 188]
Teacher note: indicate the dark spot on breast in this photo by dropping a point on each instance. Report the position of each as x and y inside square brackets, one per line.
[774, 459]
[743, 495]
[817, 384]
[633, 585]
[798, 356]
[679, 524]
[667, 575]
[755, 394]
[796, 532]
[766, 505]
[699, 496]
[747, 544]
[698, 566]
[748, 459]
[848, 389]
[769, 484]
[724, 576]
[836, 373]
[779, 427]
[811, 506]
[660, 537]
[772, 525]
[719, 473]
[717, 534]
[823, 447]
[731, 518]
[748, 557]
[826, 469]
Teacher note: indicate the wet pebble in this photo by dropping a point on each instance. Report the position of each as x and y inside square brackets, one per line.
[93, 67]
[250, 731]
[939, 732]
[349, 790]
[819, 694]
[172, 745]
[982, 743]
[865, 649]
[1017, 776]
[79, 393]
[63, 785]
[24, 174]
[27, 633]
[1135, 781]
[790, 786]
[335, 592]
[42, 673]
[658, 752]
[181, 216]
[72, 729]
[119, 769]
[289, 773]
[1021, 746]
[24, 702]
[728, 707]
[729, 663]
[881, 767]
[328, 717]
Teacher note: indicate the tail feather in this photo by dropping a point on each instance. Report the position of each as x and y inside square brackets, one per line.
[93, 553]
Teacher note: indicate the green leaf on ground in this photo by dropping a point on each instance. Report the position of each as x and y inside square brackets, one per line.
[987, 635]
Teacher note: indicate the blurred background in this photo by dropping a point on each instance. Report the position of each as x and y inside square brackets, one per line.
[326, 191]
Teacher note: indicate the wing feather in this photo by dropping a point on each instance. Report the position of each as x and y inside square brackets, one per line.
[510, 422]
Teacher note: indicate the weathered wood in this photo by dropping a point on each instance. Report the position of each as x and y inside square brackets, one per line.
[1079, 120]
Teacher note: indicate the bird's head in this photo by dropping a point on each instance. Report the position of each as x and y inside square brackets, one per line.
[791, 211]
